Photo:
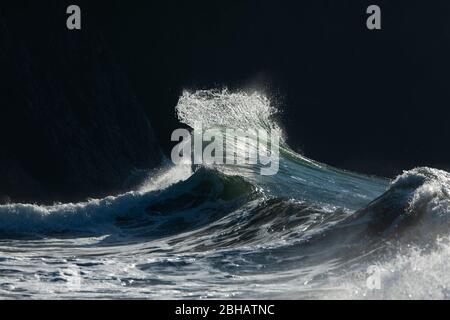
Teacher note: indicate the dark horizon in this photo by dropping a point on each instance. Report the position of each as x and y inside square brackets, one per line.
[374, 102]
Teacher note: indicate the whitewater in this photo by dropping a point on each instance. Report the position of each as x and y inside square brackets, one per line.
[224, 231]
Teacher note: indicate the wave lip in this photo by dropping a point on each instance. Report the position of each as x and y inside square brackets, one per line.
[224, 109]
[416, 205]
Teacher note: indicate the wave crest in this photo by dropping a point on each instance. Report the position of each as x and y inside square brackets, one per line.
[221, 108]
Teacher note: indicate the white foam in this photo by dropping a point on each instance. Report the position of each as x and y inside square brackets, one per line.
[432, 189]
[235, 110]
[419, 268]
[165, 177]
[412, 274]
[83, 215]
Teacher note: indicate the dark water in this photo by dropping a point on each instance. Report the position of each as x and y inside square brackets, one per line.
[310, 231]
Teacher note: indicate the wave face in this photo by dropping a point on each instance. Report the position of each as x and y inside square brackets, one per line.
[224, 231]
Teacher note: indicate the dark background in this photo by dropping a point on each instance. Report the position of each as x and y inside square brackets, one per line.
[376, 102]
[371, 101]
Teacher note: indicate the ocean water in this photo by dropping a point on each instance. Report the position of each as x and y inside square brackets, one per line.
[225, 231]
